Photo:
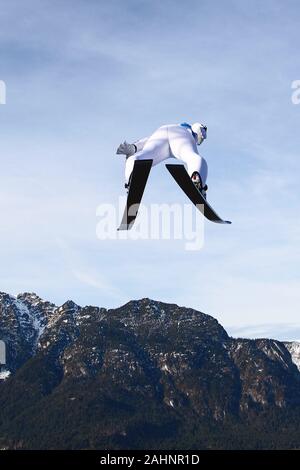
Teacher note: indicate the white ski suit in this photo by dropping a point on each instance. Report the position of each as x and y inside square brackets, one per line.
[170, 141]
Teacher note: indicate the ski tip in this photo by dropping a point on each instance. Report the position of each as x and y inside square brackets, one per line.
[223, 222]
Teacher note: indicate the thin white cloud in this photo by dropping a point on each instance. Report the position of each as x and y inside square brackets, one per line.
[98, 282]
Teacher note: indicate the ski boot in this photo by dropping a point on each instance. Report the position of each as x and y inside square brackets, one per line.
[198, 183]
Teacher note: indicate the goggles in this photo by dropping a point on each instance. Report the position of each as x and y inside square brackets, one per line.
[204, 132]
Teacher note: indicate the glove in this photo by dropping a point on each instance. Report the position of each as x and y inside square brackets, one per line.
[126, 149]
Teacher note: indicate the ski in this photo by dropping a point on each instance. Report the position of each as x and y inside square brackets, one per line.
[138, 182]
[182, 178]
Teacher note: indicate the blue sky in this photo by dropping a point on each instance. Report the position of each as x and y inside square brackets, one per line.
[82, 76]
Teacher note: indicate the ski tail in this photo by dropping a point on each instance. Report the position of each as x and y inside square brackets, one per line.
[139, 178]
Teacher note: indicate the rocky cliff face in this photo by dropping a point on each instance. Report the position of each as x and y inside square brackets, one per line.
[22, 321]
[107, 377]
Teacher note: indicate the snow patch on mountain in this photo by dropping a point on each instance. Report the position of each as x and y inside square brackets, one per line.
[27, 317]
[294, 349]
[4, 374]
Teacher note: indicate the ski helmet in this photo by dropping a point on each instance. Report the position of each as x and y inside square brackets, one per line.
[201, 131]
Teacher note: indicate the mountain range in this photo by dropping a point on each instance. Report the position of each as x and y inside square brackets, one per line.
[145, 375]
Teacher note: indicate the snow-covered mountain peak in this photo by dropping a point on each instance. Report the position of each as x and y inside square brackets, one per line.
[32, 298]
[6, 299]
[70, 306]
[23, 319]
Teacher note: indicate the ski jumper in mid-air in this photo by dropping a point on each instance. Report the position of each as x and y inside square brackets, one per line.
[175, 140]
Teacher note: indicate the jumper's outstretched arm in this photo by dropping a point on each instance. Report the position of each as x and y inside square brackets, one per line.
[130, 149]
